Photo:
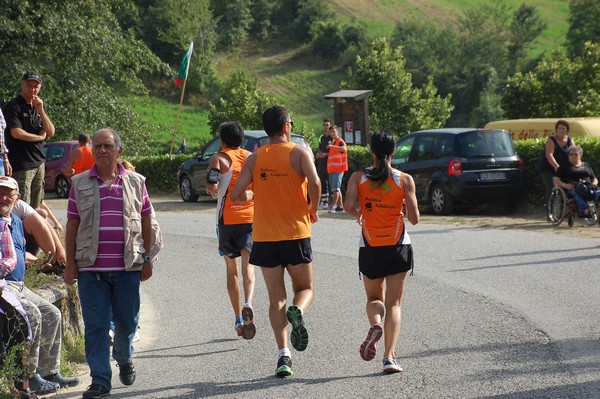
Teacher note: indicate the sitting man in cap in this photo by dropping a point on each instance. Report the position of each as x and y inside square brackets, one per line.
[27, 126]
[45, 318]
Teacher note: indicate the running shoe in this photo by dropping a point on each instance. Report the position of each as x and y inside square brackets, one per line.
[284, 367]
[390, 366]
[339, 209]
[248, 328]
[299, 335]
[239, 329]
[324, 206]
[368, 349]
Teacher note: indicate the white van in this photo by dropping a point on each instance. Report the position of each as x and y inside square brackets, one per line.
[523, 129]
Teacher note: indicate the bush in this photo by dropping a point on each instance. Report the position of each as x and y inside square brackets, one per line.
[160, 171]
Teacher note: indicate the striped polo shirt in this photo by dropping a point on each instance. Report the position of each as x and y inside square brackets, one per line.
[111, 245]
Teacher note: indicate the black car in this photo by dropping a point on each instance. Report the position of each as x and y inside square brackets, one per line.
[192, 173]
[460, 164]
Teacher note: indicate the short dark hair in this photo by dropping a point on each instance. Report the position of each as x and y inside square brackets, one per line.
[274, 118]
[232, 133]
[562, 122]
[83, 138]
[326, 121]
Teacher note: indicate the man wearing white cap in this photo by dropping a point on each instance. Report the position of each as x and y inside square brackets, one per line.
[45, 318]
[27, 126]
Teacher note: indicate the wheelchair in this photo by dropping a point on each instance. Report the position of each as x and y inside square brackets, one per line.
[562, 206]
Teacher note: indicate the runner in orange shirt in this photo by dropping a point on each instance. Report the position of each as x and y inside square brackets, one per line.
[385, 255]
[81, 159]
[281, 173]
[234, 223]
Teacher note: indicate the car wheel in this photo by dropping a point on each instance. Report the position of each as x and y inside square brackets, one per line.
[441, 201]
[62, 187]
[187, 190]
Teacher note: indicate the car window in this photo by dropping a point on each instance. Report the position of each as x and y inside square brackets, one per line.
[298, 140]
[484, 144]
[403, 150]
[212, 148]
[54, 152]
[428, 148]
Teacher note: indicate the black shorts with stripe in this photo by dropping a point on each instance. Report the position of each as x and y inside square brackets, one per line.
[379, 262]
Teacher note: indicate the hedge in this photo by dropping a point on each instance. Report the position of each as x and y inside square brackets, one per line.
[161, 170]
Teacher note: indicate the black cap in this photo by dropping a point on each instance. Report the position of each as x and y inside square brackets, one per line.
[32, 75]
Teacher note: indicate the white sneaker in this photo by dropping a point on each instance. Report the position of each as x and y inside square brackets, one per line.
[136, 337]
[324, 206]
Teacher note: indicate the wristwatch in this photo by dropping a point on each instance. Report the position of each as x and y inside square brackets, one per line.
[147, 258]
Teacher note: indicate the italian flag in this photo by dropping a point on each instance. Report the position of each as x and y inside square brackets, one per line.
[185, 66]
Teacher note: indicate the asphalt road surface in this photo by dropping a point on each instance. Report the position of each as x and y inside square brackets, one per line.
[489, 313]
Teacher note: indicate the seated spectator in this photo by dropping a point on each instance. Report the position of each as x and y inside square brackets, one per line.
[14, 325]
[569, 175]
[45, 318]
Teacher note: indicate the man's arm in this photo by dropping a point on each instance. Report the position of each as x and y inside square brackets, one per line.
[20, 134]
[147, 236]
[240, 192]
[74, 156]
[40, 230]
[314, 183]
[47, 125]
[213, 163]
[70, 273]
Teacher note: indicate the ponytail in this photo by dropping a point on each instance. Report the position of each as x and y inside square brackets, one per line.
[379, 172]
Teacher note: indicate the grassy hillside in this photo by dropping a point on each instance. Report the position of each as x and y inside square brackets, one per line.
[289, 75]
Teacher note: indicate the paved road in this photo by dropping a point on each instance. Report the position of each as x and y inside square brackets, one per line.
[489, 313]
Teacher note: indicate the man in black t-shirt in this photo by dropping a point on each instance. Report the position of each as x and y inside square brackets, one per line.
[321, 161]
[27, 126]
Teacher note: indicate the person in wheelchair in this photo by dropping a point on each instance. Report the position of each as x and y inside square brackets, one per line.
[578, 180]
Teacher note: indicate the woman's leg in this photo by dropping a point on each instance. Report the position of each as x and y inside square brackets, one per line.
[393, 302]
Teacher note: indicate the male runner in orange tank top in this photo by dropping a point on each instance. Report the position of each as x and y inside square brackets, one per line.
[80, 159]
[234, 223]
[281, 173]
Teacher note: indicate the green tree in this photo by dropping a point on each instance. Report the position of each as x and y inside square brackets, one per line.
[584, 25]
[241, 100]
[86, 60]
[396, 105]
[234, 21]
[310, 14]
[261, 11]
[328, 43]
[525, 27]
[558, 87]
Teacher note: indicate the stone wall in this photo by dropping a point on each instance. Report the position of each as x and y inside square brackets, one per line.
[66, 298]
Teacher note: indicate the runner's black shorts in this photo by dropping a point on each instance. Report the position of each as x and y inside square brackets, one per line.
[284, 253]
[233, 238]
[379, 262]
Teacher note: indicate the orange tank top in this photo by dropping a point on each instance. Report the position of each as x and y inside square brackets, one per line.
[229, 212]
[280, 196]
[381, 205]
[85, 161]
